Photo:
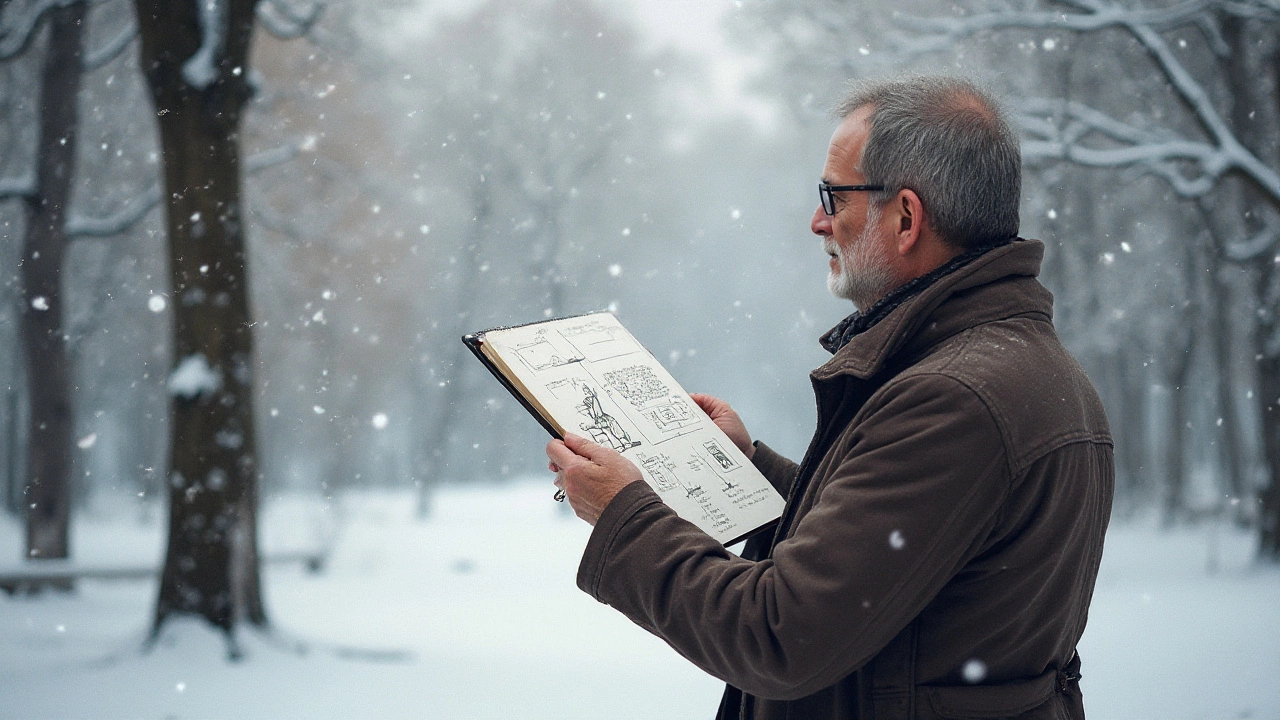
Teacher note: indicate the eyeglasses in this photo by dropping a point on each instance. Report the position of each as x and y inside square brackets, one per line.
[826, 189]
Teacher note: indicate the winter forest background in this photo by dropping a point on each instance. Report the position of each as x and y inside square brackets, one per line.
[241, 239]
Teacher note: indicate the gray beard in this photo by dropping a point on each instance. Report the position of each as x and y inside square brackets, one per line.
[865, 274]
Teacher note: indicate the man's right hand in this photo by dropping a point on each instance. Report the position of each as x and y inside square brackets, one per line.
[727, 420]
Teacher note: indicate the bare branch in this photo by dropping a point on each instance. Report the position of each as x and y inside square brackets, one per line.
[286, 22]
[135, 209]
[105, 54]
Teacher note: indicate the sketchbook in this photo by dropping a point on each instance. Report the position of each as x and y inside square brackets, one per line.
[588, 375]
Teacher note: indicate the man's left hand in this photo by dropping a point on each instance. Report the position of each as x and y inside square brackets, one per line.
[590, 474]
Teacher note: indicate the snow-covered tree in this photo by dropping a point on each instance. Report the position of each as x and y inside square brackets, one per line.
[194, 55]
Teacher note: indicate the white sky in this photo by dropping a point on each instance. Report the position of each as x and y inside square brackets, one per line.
[693, 27]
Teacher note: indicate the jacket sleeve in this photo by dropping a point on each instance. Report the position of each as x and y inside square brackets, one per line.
[903, 510]
[778, 470]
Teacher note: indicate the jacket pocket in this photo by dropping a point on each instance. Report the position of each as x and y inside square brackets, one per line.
[1035, 699]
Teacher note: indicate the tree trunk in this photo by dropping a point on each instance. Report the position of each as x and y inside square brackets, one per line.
[211, 563]
[1175, 437]
[48, 482]
[1252, 70]
[436, 445]
[1269, 515]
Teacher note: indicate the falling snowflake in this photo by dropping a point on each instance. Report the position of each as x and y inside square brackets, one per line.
[40, 302]
[615, 270]
[896, 541]
[157, 303]
[974, 671]
[380, 421]
[87, 441]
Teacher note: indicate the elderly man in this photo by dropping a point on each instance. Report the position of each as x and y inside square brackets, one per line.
[942, 535]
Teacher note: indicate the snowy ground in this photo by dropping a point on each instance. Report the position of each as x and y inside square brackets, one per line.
[474, 614]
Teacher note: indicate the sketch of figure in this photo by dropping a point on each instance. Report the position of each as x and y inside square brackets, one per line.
[719, 455]
[698, 464]
[604, 428]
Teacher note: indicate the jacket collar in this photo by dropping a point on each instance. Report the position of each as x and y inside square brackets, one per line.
[965, 292]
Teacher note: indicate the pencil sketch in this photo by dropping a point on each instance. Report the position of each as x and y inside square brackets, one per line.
[719, 455]
[698, 464]
[594, 379]
[547, 350]
[645, 392]
[603, 427]
[661, 469]
[596, 341]
[638, 384]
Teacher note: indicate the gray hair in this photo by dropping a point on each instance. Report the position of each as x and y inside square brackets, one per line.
[947, 140]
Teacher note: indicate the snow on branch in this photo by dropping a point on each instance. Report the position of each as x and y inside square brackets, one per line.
[274, 156]
[118, 222]
[193, 377]
[201, 69]
[17, 187]
[1256, 246]
[1068, 130]
[110, 51]
[1162, 154]
[137, 207]
[945, 31]
[16, 37]
[286, 22]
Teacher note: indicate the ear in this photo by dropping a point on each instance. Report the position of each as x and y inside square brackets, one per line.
[906, 220]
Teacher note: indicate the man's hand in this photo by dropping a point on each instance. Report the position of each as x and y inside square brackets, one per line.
[590, 474]
[727, 420]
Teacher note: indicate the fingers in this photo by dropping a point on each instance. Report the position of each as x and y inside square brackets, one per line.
[713, 406]
[706, 402]
[598, 454]
[559, 455]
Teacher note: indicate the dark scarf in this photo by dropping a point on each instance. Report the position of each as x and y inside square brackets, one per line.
[859, 322]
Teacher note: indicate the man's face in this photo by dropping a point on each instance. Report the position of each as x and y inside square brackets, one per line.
[861, 261]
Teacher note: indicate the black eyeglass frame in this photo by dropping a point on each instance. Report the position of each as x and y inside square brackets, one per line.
[829, 201]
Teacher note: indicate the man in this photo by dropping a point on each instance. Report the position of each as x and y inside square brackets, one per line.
[942, 535]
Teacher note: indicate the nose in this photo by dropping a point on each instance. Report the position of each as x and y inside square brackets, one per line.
[821, 222]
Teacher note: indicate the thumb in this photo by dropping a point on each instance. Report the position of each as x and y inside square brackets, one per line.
[594, 452]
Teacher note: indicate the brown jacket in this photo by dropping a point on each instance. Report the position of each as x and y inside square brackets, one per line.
[941, 539]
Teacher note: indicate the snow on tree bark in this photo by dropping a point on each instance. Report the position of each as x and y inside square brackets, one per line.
[211, 562]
